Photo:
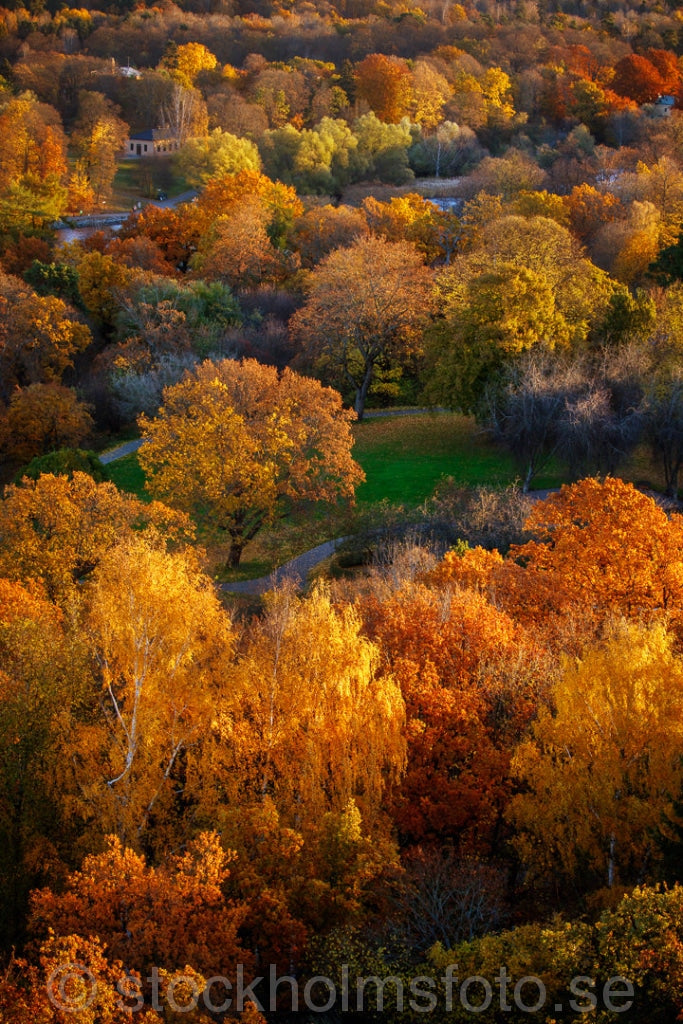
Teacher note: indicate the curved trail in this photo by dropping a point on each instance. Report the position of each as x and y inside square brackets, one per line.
[296, 569]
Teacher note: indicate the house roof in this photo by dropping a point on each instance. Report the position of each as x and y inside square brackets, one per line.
[152, 135]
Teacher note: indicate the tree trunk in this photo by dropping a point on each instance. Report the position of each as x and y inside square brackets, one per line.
[672, 474]
[610, 862]
[362, 393]
[235, 553]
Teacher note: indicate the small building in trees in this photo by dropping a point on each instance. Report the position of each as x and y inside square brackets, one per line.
[663, 105]
[152, 142]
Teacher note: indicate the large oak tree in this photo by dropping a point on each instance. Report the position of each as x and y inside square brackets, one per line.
[236, 444]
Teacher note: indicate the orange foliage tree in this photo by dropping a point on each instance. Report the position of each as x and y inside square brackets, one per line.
[467, 676]
[39, 336]
[163, 917]
[590, 209]
[224, 195]
[638, 79]
[43, 418]
[606, 547]
[600, 549]
[72, 980]
[55, 530]
[174, 233]
[385, 83]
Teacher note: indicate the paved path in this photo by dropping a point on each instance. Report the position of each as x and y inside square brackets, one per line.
[120, 452]
[297, 569]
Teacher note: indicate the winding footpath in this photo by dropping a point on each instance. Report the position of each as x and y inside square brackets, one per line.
[296, 569]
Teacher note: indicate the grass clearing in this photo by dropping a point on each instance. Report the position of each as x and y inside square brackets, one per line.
[404, 457]
[128, 476]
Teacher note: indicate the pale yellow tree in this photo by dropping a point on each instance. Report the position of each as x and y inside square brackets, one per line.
[430, 93]
[603, 768]
[314, 722]
[160, 642]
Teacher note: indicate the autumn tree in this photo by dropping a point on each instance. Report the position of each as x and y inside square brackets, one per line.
[174, 233]
[225, 194]
[55, 530]
[101, 282]
[39, 336]
[466, 673]
[606, 548]
[254, 443]
[599, 550]
[304, 747]
[99, 134]
[42, 418]
[39, 677]
[337, 732]
[366, 307]
[72, 977]
[34, 141]
[384, 82]
[165, 917]
[590, 209]
[185, 62]
[638, 79]
[430, 92]
[219, 153]
[323, 228]
[159, 641]
[412, 218]
[32, 164]
[603, 768]
[487, 323]
[239, 251]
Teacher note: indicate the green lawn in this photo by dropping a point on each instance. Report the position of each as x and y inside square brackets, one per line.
[404, 457]
[127, 474]
[135, 180]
